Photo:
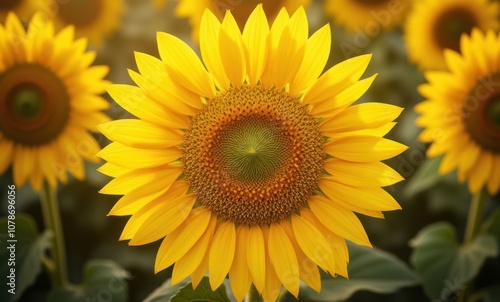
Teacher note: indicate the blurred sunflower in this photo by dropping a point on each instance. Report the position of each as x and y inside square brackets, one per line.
[23, 8]
[357, 15]
[433, 26]
[461, 113]
[94, 19]
[48, 102]
[241, 9]
[254, 167]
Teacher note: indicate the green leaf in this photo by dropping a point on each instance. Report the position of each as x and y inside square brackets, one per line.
[165, 291]
[426, 176]
[443, 265]
[369, 269]
[29, 250]
[103, 280]
[202, 293]
[492, 225]
[489, 294]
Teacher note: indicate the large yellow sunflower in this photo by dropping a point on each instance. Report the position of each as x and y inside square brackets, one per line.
[48, 102]
[241, 9]
[461, 112]
[433, 26]
[250, 165]
[367, 15]
[94, 19]
[23, 8]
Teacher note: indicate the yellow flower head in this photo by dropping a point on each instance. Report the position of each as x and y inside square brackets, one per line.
[433, 26]
[367, 15]
[240, 9]
[250, 164]
[23, 8]
[94, 19]
[48, 102]
[461, 113]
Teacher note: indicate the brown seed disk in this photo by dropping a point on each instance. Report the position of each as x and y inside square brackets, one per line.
[253, 155]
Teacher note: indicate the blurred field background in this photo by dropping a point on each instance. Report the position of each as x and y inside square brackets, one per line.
[89, 233]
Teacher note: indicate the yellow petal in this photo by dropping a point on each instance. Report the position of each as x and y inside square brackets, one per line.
[364, 148]
[283, 258]
[7, 148]
[113, 170]
[372, 174]
[184, 65]
[470, 153]
[200, 271]
[255, 36]
[221, 253]
[23, 163]
[209, 47]
[308, 270]
[257, 257]
[275, 34]
[480, 172]
[351, 94]
[337, 79]
[193, 258]
[165, 218]
[232, 50]
[135, 158]
[290, 50]
[337, 244]
[313, 243]
[373, 198]
[136, 102]
[144, 211]
[239, 274]
[161, 177]
[133, 202]
[178, 243]
[141, 134]
[339, 220]
[494, 180]
[316, 53]
[363, 116]
[272, 287]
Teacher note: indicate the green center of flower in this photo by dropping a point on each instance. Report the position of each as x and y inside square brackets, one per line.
[450, 26]
[9, 4]
[481, 113]
[252, 150]
[253, 155]
[81, 13]
[26, 102]
[34, 104]
[493, 111]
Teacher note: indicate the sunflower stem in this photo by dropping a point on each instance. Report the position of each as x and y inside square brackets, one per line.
[474, 221]
[253, 295]
[475, 217]
[52, 217]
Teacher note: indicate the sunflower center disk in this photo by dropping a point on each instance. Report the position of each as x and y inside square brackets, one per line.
[9, 4]
[482, 113]
[451, 25]
[34, 104]
[253, 155]
[80, 12]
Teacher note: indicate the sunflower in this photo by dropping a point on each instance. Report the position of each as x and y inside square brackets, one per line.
[367, 15]
[23, 8]
[254, 166]
[48, 102]
[433, 26]
[241, 9]
[461, 113]
[94, 19]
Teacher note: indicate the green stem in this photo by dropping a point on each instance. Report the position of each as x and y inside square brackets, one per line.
[253, 295]
[474, 221]
[476, 213]
[52, 217]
